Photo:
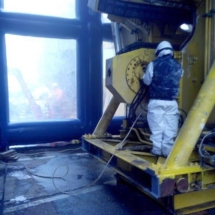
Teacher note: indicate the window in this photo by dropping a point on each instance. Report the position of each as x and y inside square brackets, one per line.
[105, 18]
[41, 78]
[109, 52]
[57, 8]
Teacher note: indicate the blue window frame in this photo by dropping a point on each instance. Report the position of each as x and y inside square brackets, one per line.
[87, 32]
[57, 8]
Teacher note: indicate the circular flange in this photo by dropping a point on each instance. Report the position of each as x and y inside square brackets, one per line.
[134, 72]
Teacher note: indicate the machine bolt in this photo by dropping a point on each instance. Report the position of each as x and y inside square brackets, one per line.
[182, 185]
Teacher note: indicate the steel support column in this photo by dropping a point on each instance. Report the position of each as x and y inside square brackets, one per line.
[106, 118]
[194, 123]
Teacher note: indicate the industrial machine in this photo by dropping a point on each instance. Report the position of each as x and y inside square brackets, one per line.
[184, 181]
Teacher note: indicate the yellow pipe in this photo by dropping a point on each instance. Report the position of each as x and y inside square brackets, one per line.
[212, 36]
[209, 36]
[206, 66]
[139, 138]
[194, 123]
[106, 118]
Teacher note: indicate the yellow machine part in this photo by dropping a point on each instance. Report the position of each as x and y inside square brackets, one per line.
[194, 124]
[124, 72]
[180, 178]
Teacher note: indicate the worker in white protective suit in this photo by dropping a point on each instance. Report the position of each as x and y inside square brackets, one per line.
[163, 76]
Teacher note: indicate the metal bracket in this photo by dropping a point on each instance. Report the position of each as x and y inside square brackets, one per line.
[209, 14]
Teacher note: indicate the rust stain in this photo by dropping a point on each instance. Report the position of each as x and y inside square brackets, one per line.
[167, 187]
[182, 185]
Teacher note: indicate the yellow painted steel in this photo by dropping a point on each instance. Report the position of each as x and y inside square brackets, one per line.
[194, 123]
[193, 64]
[106, 118]
[124, 71]
[191, 202]
[209, 48]
[183, 163]
[206, 66]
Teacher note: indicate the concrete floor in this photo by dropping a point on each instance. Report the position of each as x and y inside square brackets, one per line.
[24, 193]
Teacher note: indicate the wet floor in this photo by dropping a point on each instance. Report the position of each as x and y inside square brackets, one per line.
[65, 182]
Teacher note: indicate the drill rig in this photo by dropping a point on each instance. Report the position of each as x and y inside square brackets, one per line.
[184, 181]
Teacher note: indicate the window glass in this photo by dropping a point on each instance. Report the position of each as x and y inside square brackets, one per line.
[104, 18]
[57, 8]
[109, 52]
[41, 78]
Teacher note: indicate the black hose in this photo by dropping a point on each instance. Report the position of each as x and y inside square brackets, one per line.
[201, 144]
[140, 95]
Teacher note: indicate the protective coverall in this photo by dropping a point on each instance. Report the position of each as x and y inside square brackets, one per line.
[163, 77]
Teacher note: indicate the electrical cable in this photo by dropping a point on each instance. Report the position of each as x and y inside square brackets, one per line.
[145, 133]
[140, 139]
[140, 95]
[201, 144]
[38, 153]
[118, 147]
[42, 176]
[29, 171]
[183, 111]
[205, 156]
[182, 117]
[143, 108]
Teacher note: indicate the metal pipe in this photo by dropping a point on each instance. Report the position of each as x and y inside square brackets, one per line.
[194, 123]
[212, 32]
[106, 118]
[206, 66]
[210, 61]
[117, 37]
[209, 38]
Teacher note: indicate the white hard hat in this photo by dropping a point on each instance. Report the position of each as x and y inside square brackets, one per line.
[164, 45]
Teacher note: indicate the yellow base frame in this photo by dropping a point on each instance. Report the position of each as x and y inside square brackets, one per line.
[188, 203]
[188, 189]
